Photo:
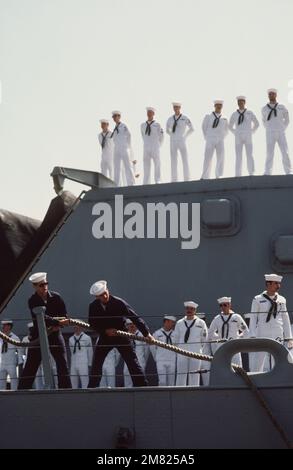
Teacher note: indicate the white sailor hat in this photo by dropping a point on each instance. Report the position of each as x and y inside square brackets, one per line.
[170, 317]
[224, 300]
[36, 278]
[218, 102]
[30, 324]
[241, 97]
[273, 278]
[7, 322]
[272, 90]
[104, 121]
[176, 103]
[150, 108]
[115, 113]
[190, 303]
[98, 288]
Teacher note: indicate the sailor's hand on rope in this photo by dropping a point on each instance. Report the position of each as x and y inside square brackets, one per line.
[111, 332]
[64, 322]
[290, 344]
[150, 338]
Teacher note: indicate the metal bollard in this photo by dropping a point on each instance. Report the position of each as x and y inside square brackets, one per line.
[45, 351]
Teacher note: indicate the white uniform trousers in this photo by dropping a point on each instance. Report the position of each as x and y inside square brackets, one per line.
[39, 380]
[109, 375]
[244, 139]
[213, 145]
[273, 138]
[166, 373]
[186, 368]
[79, 372]
[10, 371]
[107, 165]
[127, 377]
[151, 154]
[121, 157]
[177, 146]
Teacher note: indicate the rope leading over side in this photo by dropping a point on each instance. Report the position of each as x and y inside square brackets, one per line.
[202, 357]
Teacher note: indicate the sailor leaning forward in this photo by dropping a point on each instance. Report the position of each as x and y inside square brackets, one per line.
[269, 317]
[243, 124]
[215, 130]
[275, 118]
[179, 127]
[54, 307]
[190, 334]
[107, 314]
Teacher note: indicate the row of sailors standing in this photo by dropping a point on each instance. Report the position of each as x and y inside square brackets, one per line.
[117, 152]
[268, 319]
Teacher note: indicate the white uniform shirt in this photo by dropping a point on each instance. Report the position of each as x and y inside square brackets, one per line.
[227, 327]
[160, 354]
[183, 129]
[108, 147]
[276, 123]
[13, 356]
[84, 354]
[278, 327]
[249, 125]
[155, 139]
[219, 132]
[198, 334]
[122, 137]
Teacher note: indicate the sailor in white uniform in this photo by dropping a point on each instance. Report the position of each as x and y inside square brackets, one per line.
[107, 147]
[39, 380]
[215, 130]
[152, 136]
[243, 124]
[190, 334]
[122, 150]
[275, 118]
[10, 357]
[142, 351]
[165, 360]
[81, 350]
[109, 369]
[269, 318]
[179, 127]
[228, 325]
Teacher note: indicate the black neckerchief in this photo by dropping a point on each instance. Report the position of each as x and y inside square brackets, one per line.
[175, 122]
[168, 337]
[115, 130]
[274, 307]
[241, 116]
[5, 345]
[188, 328]
[226, 326]
[273, 110]
[77, 343]
[148, 128]
[104, 137]
[216, 120]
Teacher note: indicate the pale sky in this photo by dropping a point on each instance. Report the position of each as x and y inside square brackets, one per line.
[64, 64]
